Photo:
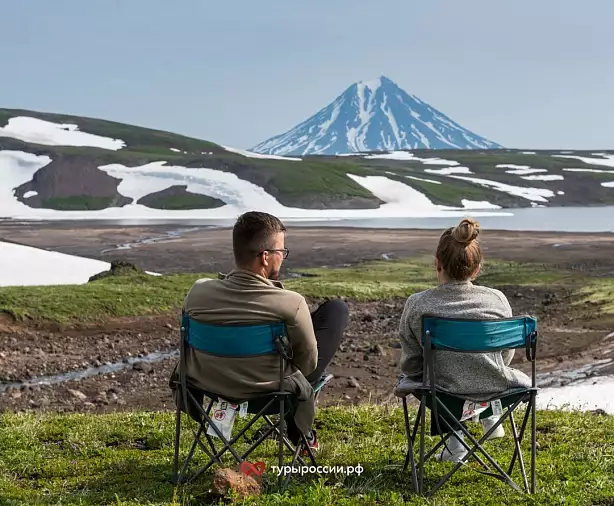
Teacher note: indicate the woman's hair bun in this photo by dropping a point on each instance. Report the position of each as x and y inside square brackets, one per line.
[466, 231]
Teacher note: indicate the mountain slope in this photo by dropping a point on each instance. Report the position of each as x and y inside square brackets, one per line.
[373, 116]
[68, 167]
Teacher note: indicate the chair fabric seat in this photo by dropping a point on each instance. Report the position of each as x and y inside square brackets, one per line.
[256, 404]
[455, 403]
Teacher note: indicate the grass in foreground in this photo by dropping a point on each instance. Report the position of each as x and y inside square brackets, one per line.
[126, 458]
[137, 295]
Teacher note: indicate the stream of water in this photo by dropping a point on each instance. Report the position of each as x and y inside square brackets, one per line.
[557, 378]
[126, 363]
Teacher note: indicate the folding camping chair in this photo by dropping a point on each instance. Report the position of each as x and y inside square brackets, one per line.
[234, 341]
[471, 336]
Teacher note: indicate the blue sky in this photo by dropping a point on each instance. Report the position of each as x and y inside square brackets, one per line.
[526, 74]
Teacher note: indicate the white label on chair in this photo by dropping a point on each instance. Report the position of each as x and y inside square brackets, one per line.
[471, 409]
[243, 410]
[497, 407]
[223, 416]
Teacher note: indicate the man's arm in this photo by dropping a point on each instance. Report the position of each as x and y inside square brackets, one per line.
[303, 340]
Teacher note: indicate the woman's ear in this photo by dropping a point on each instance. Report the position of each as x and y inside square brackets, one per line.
[477, 271]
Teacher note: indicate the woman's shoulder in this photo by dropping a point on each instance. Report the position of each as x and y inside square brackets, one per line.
[493, 292]
[415, 298]
[494, 298]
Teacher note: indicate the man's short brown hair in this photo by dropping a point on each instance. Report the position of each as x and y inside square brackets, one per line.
[252, 233]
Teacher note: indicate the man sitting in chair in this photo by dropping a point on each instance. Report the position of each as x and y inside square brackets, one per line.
[252, 294]
[459, 258]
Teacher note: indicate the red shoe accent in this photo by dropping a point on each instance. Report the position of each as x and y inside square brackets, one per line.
[313, 444]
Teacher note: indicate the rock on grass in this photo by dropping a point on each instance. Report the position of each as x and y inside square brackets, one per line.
[227, 479]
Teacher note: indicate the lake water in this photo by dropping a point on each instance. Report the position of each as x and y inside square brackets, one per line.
[555, 219]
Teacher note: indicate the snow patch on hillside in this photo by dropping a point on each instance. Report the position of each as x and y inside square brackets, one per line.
[239, 195]
[17, 168]
[450, 170]
[532, 194]
[405, 155]
[395, 193]
[156, 176]
[590, 170]
[251, 154]
[523, 171]
[608, 160]
[546, 177]
[38, 131]
[478, 204]
[422, 179]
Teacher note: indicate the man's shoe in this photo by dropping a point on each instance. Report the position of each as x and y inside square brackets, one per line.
[488, 423]
[312, 442]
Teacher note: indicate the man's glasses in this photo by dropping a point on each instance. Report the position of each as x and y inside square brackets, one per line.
[284, 251]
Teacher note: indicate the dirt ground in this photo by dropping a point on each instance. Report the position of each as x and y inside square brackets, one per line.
[366, 366]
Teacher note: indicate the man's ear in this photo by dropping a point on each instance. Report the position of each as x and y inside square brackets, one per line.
[264, 258]
[438, 264]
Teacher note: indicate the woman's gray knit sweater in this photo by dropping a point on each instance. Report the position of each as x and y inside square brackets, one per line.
[473, 375]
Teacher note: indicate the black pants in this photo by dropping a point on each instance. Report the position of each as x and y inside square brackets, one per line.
[329, 323]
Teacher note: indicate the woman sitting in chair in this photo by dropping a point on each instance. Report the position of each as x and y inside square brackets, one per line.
[458, 261]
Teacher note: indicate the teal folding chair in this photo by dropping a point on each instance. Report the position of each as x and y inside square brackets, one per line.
[471, 336]
[238, 341]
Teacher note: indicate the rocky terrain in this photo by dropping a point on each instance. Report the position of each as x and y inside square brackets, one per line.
[136, 355]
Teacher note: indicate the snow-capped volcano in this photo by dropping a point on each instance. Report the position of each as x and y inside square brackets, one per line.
[373, 115]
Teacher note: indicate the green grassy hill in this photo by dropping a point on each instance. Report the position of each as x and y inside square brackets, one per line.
[72, 181]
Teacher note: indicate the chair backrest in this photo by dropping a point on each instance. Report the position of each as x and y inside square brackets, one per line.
[234, 341]
[477, 336]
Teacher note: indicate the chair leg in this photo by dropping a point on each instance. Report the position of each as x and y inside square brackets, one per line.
[518, 452]
[409, 459]
[533, 442]
[282, 431]
[523, 429]
[177, 437]
[190, 455]
[416, 424]
[422, 430]
[284, 480]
